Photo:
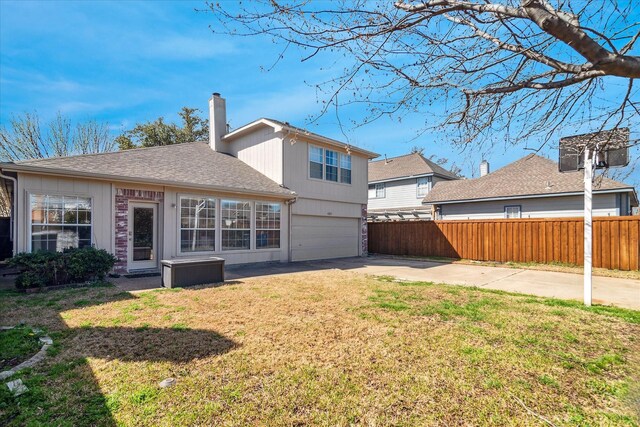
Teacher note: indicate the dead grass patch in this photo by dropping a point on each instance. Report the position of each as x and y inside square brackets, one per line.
[329, 348]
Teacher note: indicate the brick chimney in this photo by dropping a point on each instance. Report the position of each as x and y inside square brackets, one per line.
[217, 122]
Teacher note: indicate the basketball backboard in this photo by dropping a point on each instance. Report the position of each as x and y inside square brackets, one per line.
[612, 146]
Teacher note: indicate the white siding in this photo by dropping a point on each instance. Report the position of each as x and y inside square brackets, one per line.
[262, 150]
[314, 237]
[398, 194]
[563, 206]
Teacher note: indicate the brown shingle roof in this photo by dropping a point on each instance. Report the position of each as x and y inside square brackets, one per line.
[531, 175]
[192, 164]
[407, 165]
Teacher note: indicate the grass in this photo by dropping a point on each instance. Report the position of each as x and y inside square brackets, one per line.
[333, 348]
[17, 345]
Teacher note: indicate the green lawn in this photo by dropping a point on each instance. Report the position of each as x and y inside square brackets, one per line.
[326, 348]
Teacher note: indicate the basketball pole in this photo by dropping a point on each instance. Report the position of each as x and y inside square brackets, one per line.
[588, 223]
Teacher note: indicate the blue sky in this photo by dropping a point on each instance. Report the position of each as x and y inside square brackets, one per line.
[131, 61]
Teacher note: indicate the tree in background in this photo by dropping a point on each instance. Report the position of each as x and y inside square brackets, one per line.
[26, 138]
[158, 132]
[524, 68]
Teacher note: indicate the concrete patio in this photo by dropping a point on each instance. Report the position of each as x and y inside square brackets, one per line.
[606, 290]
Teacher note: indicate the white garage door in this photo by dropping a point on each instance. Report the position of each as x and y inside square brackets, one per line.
[318, 237]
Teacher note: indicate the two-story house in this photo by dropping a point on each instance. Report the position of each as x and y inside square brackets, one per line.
[398, 185]
[266, 191]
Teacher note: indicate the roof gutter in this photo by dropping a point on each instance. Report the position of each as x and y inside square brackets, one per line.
[12, 167]
[420, 175]
[308, 135]
[530, 196]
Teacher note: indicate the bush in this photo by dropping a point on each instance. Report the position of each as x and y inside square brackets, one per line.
[42, 268]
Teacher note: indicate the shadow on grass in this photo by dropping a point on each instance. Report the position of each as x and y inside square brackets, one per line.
[63, 390]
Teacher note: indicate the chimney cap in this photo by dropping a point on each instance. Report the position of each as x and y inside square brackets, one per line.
[216, 94]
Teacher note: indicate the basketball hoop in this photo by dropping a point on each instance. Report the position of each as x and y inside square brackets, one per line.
[598, 150]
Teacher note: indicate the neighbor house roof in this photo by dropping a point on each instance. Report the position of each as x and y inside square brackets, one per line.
[192, 164]
[530, 176]
[405, 166]
[294, 131]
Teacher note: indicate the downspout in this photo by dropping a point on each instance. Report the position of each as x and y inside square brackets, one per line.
[289, 203]
[12, 221]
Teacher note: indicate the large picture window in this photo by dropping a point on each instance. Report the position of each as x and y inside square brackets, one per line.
[197, 224]
[60, 222]
[236, 225]
[267, 225]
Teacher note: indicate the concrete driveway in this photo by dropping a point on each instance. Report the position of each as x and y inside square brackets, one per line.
[606, 290]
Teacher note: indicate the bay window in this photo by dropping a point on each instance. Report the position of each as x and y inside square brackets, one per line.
[236, 225]
[267, 225]
[60, 222]
[197, 224]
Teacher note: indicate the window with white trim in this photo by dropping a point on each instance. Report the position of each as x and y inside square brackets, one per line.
[512, 211]
[423, 185]
[345, 168]
[380, 190]
[267, 225]
[329, 165]
[316, 162]
[236, 225]
[60, 222]
[197, 224]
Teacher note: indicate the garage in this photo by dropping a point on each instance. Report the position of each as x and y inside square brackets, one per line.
[319, 237]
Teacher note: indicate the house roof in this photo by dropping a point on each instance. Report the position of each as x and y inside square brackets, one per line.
[532, 175]
[279, 126]
[192, 164]
[405, 166]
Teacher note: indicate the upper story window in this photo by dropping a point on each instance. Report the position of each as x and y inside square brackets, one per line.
[380, 190]
[60, 222]
[316, 163]
[329, 165]
[197, 224]
[512, 212]
[345, 168]
[423, 185]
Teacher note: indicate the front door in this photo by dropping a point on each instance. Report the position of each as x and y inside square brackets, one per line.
[143, 236]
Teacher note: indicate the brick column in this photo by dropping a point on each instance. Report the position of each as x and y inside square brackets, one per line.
[123, 196]
[364, 231]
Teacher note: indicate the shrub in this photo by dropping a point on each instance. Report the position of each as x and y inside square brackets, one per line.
[77, 265]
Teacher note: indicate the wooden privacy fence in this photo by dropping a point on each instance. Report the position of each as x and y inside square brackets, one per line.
[616, 240]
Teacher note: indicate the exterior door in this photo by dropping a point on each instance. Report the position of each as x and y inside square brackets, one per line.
[143, 236]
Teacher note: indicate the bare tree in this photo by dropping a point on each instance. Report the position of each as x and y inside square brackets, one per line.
[25, 138]
[524, 68]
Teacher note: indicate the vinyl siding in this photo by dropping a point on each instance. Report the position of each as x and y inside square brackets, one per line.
[262, 150]
[564, 206]
[101, 205]
[296, 175]
[103, 215]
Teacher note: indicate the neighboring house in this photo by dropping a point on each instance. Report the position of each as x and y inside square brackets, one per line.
[264, 192]
[398, 185]
[531, 187]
